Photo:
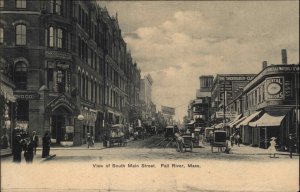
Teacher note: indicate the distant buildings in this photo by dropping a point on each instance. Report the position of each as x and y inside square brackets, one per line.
[258, 106]
[148, 107]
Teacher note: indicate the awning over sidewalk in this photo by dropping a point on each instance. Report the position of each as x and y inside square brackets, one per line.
[248, 119]
[237, 118]
[7, 92]
[269, 119]
[237, 122]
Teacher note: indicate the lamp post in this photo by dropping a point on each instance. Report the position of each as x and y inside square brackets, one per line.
[77, 133]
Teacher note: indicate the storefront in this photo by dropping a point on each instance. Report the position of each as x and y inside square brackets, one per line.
[273, 123]
[7, 100]
[62, 115]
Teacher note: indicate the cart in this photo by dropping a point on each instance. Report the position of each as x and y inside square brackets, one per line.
[139, 133]
[219, 140]
[184, 142]
[114, 135]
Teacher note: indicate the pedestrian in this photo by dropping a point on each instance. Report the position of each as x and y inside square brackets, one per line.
[89, 140]
[28, 151]
[46, 145]
[17, 148]
[231, 140]
[291, 144]
[238, 139]
[35, 140]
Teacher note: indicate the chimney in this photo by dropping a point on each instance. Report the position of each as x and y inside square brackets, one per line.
[264, 64]
[284, 56]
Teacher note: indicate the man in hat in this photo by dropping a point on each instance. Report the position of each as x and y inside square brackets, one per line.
[35, 140]
[17, 148]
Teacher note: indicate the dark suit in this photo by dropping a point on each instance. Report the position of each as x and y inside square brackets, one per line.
[35, 140]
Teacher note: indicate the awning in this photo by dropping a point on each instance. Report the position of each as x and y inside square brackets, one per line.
[7, 92]
[191, 123]
[248, 119]
[237, 122]
[269, 119]
[230, 124]
[219, 126]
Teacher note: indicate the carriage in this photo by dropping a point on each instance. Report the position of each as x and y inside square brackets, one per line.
[184, 142]
[114, 135]
[138, 133]
[170, 131]
[219, 140]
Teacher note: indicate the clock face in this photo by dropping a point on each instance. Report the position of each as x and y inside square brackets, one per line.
[274, 88]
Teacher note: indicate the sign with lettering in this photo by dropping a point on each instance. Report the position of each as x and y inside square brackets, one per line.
[228, 114]
[69, 129]
[274, 88]
[27, 96]
[168, 110]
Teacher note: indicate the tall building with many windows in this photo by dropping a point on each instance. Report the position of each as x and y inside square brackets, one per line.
[67, 59]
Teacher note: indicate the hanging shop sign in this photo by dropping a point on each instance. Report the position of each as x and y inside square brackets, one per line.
[274, 88]
[69, 129]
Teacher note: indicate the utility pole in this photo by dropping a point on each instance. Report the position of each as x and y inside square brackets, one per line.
[224, 97]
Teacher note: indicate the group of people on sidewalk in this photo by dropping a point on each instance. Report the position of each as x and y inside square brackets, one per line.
[25, 142]
[235, 138]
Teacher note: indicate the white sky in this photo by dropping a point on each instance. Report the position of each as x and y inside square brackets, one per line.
[176, 42]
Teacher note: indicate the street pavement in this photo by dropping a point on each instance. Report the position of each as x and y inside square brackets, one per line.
[97, 169]
[149, 149]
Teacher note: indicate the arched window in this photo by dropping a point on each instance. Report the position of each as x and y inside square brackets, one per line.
[21, 34]
[20, 75]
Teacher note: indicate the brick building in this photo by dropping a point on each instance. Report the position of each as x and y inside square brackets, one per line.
[67, 58]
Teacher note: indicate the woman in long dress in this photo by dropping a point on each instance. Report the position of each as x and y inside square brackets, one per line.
[272, 149]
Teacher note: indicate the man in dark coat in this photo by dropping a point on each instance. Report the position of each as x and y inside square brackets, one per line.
[35, 140]
[17, 148]
[28, 152]
[46, 145]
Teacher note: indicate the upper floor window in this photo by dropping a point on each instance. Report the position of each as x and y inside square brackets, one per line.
[1, 35]
[21, 3]
[1, 3]
[21, 34]
[56, 37]
[20, 76]
[56, 6]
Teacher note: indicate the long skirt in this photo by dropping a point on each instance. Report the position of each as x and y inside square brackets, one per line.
[45, 152]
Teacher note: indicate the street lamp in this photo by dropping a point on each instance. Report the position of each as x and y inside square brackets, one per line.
[77, 132]
[80, 117]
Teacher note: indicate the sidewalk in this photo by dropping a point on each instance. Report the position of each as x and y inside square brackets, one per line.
[248, 150]
[97, 146]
